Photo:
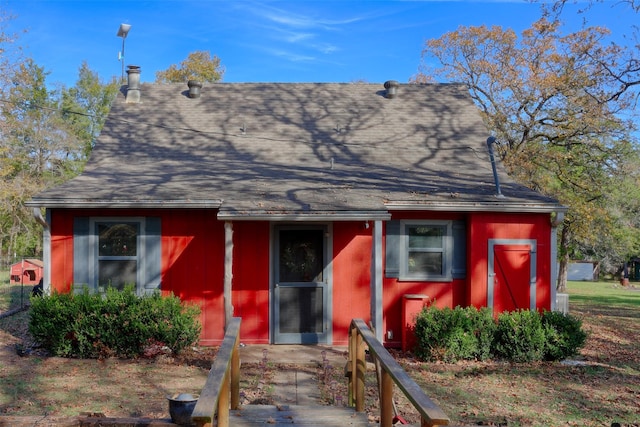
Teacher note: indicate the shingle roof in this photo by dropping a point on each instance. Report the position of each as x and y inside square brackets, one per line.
[282, 148]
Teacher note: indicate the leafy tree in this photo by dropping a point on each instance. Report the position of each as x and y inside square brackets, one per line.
[47, 136]
[86, 105]
[35, 147]
[199, 65]
[556, 104]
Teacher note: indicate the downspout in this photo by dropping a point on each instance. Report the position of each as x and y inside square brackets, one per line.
[46, 248]
[490, 141]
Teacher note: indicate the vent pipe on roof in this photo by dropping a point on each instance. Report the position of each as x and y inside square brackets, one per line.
[490, 141]
[133, 84]
[194, 88]
[392, 88]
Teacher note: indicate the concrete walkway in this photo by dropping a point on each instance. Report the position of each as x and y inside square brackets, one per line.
[298, 385]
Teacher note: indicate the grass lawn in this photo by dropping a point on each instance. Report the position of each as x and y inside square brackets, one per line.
[600, 387]
[12, 296]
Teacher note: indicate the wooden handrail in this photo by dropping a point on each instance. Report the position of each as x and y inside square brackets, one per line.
[392, 372]
[223, 382]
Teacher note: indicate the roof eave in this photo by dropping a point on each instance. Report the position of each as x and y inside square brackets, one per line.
[303, 216]
[486, 206]
[123, 204]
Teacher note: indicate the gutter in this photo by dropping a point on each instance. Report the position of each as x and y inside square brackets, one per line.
[306, 216]
[497, 206]
[124, 204]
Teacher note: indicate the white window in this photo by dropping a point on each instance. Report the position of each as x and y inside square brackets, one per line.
[118, 252]
[426, 250]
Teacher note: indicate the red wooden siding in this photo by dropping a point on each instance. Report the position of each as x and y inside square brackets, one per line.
[485, 226]
[26, 272]
[192, 258]
[193, 267]
[251, 280]
[442, 294]
[62, 250]
[351, 276]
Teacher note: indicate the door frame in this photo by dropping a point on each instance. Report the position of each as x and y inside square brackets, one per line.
[327, 275]
[532, 243]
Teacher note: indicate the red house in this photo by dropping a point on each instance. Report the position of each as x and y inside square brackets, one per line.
[26, 272]
[299, 207]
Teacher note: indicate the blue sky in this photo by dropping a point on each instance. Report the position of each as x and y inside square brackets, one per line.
[262, 41]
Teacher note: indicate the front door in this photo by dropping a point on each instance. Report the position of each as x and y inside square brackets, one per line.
[300, 310]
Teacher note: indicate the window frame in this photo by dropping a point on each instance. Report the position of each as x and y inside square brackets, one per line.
[446, 251]
[95, 257]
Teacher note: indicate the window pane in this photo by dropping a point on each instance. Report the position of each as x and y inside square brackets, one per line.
[301, 255]
[425, 262]
[117, 274]
[425, 236]
[117, 239]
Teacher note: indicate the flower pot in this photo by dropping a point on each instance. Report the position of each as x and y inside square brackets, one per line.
[181, 407]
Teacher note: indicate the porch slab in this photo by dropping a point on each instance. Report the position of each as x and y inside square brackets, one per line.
[298, 384]
[295, 354]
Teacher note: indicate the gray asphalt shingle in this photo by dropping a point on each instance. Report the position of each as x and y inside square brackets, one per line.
[293, 147]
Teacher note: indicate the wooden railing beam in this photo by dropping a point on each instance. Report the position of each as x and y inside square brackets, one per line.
[392, 373]
[219, 387]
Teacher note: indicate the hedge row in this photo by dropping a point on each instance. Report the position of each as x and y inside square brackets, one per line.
[473, 334]
[119, 324]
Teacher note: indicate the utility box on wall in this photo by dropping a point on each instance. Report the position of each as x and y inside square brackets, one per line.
[412, 305]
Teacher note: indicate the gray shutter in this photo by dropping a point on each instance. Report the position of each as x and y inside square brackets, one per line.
[459, 264]
[153, 255]
[81, 258]
[392, 250]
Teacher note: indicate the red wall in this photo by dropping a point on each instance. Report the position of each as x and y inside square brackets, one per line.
[192, 258]
[251, 282]
[62, 250]
[351, 276]
[23, 271]
[485, 226]
[193, 267]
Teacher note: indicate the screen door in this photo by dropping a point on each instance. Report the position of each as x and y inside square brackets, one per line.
[300, 286]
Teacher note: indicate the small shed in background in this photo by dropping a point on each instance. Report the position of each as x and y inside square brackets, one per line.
[26, 272]
[583, 271]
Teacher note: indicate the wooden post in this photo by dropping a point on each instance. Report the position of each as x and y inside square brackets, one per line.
[386, 399]
[228, 271]
[350, 366]
[235, 375]
[360, 371]
[223, 403]
[426, 423]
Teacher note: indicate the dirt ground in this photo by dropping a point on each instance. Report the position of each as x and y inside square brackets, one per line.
[604, 384]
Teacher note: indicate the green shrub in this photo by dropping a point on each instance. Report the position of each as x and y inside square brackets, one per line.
[520, 336]
[118, 323]
[454, 334]
[564, 335]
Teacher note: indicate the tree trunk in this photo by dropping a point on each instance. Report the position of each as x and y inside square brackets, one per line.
[561, 286]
